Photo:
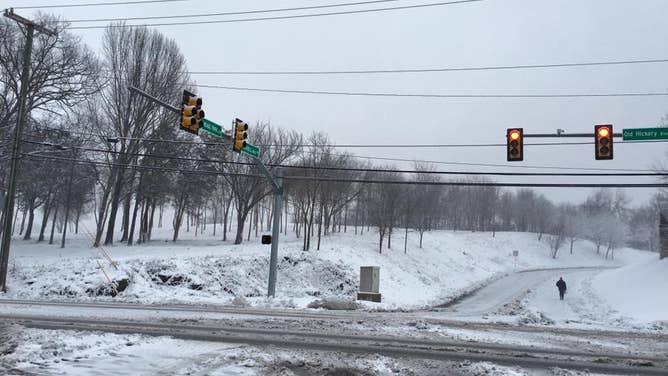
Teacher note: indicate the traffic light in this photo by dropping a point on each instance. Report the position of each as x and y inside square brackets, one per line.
[603, 141]
[240, 135]
[515, 144]
[191, 112]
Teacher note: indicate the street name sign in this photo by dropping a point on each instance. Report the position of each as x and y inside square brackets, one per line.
[641, 134]
[211, 127]
[251, 150]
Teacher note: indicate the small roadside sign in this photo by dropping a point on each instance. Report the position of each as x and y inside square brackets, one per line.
[211, 127]
[640, 134]
[251, 150]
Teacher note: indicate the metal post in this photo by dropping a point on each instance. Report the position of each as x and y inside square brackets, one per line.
[9, 203]
[275, 227]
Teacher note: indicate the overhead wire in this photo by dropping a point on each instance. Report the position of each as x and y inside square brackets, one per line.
[397, 159]
[439, 69]
[273, 18]
[367, 181]
[375, 170]
[237, 13]
[109, 3]
[441, 96]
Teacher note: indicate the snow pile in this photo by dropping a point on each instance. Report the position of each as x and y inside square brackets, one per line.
[637, 290]
[204, 270]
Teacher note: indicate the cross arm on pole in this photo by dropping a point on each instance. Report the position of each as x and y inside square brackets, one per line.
[9, 13]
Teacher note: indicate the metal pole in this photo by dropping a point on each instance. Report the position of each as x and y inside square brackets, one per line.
[68, 200]
[278, 199]
[9, 203]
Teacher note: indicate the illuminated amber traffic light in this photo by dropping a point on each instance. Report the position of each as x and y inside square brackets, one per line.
[515, 144]
[191, 112]
[240, 135]
[603, 141]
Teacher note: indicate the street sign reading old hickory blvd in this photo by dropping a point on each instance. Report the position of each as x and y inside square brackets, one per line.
[639, 134]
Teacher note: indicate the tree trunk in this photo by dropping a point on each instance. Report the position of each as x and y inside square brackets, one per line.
[406, 241]
[31, 218]
[76, 221]
[241, 219]
[178, 216]
[23, 220]
[53, 224]
[115, 201]
[45, 218]
[319, 229]
[150, 221]
[131, 234]
[125, 222]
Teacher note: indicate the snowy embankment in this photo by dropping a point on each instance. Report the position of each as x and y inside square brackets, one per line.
[639, 290]
[203, 270]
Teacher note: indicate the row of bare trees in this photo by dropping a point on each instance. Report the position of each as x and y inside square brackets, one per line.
[121, 158]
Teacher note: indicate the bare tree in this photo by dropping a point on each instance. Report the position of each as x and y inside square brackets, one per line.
[248, 186]
[145, 59]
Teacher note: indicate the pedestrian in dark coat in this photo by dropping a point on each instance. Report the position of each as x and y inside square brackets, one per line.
[561, 285]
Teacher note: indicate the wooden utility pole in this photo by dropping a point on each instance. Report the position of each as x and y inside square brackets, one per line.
[20, 122]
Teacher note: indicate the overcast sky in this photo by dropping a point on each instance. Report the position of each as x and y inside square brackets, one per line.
[485, 33]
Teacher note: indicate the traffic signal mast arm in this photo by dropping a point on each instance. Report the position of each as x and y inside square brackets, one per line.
[276, 185]
[168, 106]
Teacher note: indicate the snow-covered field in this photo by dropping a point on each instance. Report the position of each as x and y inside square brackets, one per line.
[202, 269]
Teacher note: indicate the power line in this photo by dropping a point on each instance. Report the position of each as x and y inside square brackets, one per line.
[375, 170]
[98, 4]
[382, 158]
[140, 167]
[190, 23]
[442, 96]
[427, 70]
[233, 13]
[483, 184]
[370, 146]
[366, 181]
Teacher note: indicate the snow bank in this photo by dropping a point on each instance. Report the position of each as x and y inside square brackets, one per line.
[638, 290]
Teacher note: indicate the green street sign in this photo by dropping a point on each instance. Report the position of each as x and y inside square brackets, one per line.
[211, 127]
[251, 150]
[639, 134]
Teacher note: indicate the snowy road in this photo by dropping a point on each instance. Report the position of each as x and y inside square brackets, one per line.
[323, 340]
[506, 290]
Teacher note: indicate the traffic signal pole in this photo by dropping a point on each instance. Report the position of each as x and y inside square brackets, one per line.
[20, 122]
[276, 183]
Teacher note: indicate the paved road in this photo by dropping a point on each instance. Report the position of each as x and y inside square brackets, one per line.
[507, 289]
[397, 346]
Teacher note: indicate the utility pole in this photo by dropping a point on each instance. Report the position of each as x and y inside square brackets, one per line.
[21, 119]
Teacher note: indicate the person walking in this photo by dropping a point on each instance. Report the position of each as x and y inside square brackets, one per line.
[561, 285]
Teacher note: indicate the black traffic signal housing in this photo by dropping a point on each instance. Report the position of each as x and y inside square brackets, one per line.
[191, 112]
[515, 144]
[240, 135]
[603, 141]
[266, 239]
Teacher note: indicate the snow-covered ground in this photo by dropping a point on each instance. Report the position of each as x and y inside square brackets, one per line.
[624, 293]
[202, 269]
